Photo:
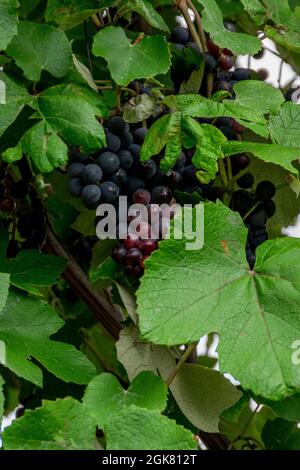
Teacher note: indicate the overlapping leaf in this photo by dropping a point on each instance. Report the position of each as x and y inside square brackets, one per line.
[8, 21]
[73, 12]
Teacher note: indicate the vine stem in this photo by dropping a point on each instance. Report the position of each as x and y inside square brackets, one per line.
[182, 6]
[96, 21]
[180, 363]
[199, 24]
[251, 210]
[223, 173]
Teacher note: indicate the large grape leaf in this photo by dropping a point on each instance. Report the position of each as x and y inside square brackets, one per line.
[145, 9]
[105, 396]
[57, 425]
[25, 327]
[39, 47]
[264, 98]
[73, 12]
[238, 43]
[14, 99]
[144, 59]
[284, 128]
[270, 153]
[198, 289]
[8, 21]
[135, 428]
[68, 111]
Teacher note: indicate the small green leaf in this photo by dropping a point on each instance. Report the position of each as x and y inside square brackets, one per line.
[9, 21]
[165, 132]
[105, 396]
[261, 96]
[69, 14]
[39, 47]
[85, 73]
[139, 108]
[57, 425]
[270, 153]
[285, 38]
[25, 327]
[281, 435]
[85, 223]
[238, 43]
[46, 149]
[209, 278]
[135, 428]
[108, 270]
[145, 9]
[13, 154]
[284, 128]
[146, 59]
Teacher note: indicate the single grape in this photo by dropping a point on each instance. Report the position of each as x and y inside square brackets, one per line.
[251, 258]
[229, 132]
[132, 241]
[224, 75]
[148, 169]
[113, 142]
[75, 170]
[75, 187]
[147, 246]
[239, 162]
[78, 157]
[257, 237]
[141, 196]
[269, 207]
[180, 35]
[241, 74]
[238, 127]
[173, 178]
[135, 151]
[126, 159]
[210, 61]
[119, 177]
[126, 140]
[223, 86]
[91, 174]
[246, 181]
[161, 195]
[265, 190]
[116, 125]
[139, 135]
[224, 121]
[91, 195]
[19, 190]
[225, 62]
[189, 175]
[109, 191]
[258, 219]
[119, 253]
[181, 161]
[212, 47]
[134, 270]
[133, 183]
[242, 201]
[229, 26]
[109, 162]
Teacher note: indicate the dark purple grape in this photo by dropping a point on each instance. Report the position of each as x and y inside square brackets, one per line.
[148, 169]
[132, 241]
[109, 162]
[116, 125]
[258, 219]
[126, 159]
[141, 196]
[75, 187]
[265, 190]
[119, 177]
[173, 178]
[126, 140]
[133, 183]
[224, 75]
[147, 246]
[242, 201]
[210, 60]
[257, 237]
[212, 47]
[229, 132]
[119, 253]
[239, 162]
[134, 270]
[113, 142]
[139, 135]
[91, 195]
[225, 62]
[109, 191]
[161, 195]
[241, 74]
[223, 86]
[269, 207]
[189, 175]
[246, 181]
[135, 150]
[181, 161]
[91, 174]
[77, 156]
[251, 258]
[180, 35]
[75, 170]
[134, 256]
[224, 121]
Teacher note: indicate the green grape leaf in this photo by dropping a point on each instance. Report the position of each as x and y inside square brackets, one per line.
[208, 141]
[85, 73]
[139, 108]
[270, 153]
[198, 106]
[2, 399]
[107, 271]
[135, 428]
[285, 38]
[279, 434]
[289, 408]
[165, 132]
[284, 127]
[264, 98]
[286, 200]
[5, 278]
[8, 22]
[73, 12]
[105, 396]
[145, 9]
[32, 268]
[13, 97]
[238, 43]
[56, 425]
[202, 394]
[25, 327]
[85, 223]
[68, 110]
[46, 149]
[255, 9]
[39, 47]
[147, 58]
[13, 154]
[199, 285]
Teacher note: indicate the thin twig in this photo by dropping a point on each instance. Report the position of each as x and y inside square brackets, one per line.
[182, 5]
[199, 24]
[180, 363]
